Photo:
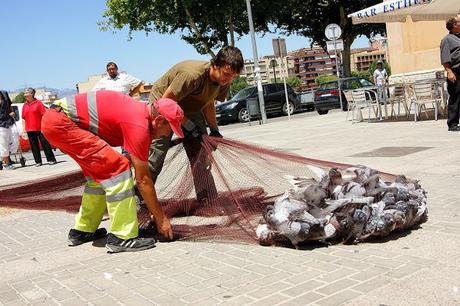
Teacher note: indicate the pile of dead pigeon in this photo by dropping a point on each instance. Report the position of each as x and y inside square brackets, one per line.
[349, 206]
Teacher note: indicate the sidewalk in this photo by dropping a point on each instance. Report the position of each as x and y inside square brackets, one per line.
[420, 268]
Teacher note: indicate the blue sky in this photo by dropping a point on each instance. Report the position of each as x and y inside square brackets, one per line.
[57, 43]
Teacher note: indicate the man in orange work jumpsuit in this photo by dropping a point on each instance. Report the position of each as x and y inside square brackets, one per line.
[86, 127]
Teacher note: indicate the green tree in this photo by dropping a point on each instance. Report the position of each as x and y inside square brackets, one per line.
[310, 17]
[324, 78]
[205, 24]
[237, 84]
[293, 81]
[19, 98]
[362, 74]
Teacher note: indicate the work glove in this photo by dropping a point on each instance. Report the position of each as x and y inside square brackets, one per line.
[215, 133]
[191, 129]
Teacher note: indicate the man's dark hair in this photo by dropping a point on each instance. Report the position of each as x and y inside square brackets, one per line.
[450, 23]
[110, 64]
[229, 56]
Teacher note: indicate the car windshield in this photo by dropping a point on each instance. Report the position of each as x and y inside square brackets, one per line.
[365, 82]
[244, 93]
[330, 85]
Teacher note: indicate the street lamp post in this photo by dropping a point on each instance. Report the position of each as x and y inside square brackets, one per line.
[256, 64]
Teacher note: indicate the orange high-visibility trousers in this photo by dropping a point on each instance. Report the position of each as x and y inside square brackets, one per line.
[109, 180]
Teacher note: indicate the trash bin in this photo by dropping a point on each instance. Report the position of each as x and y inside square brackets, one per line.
[252, 105]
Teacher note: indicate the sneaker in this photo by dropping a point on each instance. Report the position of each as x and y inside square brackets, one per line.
[38, 165]
[454, 128]
[117, 245]
[77, 237]
[52, 162]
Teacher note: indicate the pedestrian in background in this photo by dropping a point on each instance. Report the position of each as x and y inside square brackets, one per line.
[450, 59]
[380, 79]
[32, 113]
[121, 82]
[6, 129]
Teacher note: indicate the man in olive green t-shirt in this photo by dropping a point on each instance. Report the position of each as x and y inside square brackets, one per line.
[196, 85]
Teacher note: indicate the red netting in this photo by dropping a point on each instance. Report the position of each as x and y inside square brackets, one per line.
[234, 182]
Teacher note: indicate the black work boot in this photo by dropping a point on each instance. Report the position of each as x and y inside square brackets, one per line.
[77, 237]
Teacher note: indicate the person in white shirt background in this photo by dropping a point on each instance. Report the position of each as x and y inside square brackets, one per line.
[380, 78]
[121, 82]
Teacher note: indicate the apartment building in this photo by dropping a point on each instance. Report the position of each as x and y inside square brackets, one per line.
[270, 69]
[309, 63]
[362, 58]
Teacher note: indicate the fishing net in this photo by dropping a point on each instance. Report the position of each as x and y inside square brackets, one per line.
[223, 192]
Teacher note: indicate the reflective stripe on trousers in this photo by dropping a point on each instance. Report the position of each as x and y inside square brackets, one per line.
[117, 194]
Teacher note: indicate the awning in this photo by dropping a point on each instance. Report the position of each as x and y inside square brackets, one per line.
[398, 10]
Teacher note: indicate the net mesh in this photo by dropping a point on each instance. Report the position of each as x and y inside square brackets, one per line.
[220, 194]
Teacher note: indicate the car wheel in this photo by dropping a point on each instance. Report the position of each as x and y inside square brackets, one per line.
[322, 111]
[243, 115]
[291, 109]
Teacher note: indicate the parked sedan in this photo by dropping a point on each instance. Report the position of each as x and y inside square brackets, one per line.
[327, 94]
[274, 97]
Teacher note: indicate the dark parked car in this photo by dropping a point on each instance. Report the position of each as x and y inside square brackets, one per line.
[327, 94]
[274, 97]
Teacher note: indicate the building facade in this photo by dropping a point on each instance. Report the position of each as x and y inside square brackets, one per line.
[309, 63]
[270, 69]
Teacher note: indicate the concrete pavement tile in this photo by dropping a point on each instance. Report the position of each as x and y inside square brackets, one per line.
[270, 300]
[338, 298]
[356, 265]
[147, 291]
[118, 292]
[233, 271]
[186, 279]
[264, 291]
[404, 271]
[237, 301]
[304, 299]
[48, 285]
[73, 282]
[103, 301]
[301, 288]
[204, 273]
[209, 301]
[287, 267]
[9, 296]
[62, 294]
[202, 294]
[368, 273]
[90, 293]
[385, 263]
[336, 286]
[261, 269]
[22, 285]
[134, 300]
[321, 257]
[240, 280]
[34, 295]
[166, 299]
[76, 301]
[336, 275]
[274, 278]
[372, 284]
[242, 290]
[322, 266]
[306, 275]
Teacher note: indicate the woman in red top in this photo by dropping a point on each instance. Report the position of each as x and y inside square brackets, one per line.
[32, 113]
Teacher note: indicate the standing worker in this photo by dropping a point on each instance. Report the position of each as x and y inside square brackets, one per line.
[86, 127]
[450, 59]
[32, 113]
[121, 82]
[196, 85]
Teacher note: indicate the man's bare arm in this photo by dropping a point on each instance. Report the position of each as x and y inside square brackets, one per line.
[209, 113]
[450, 74]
